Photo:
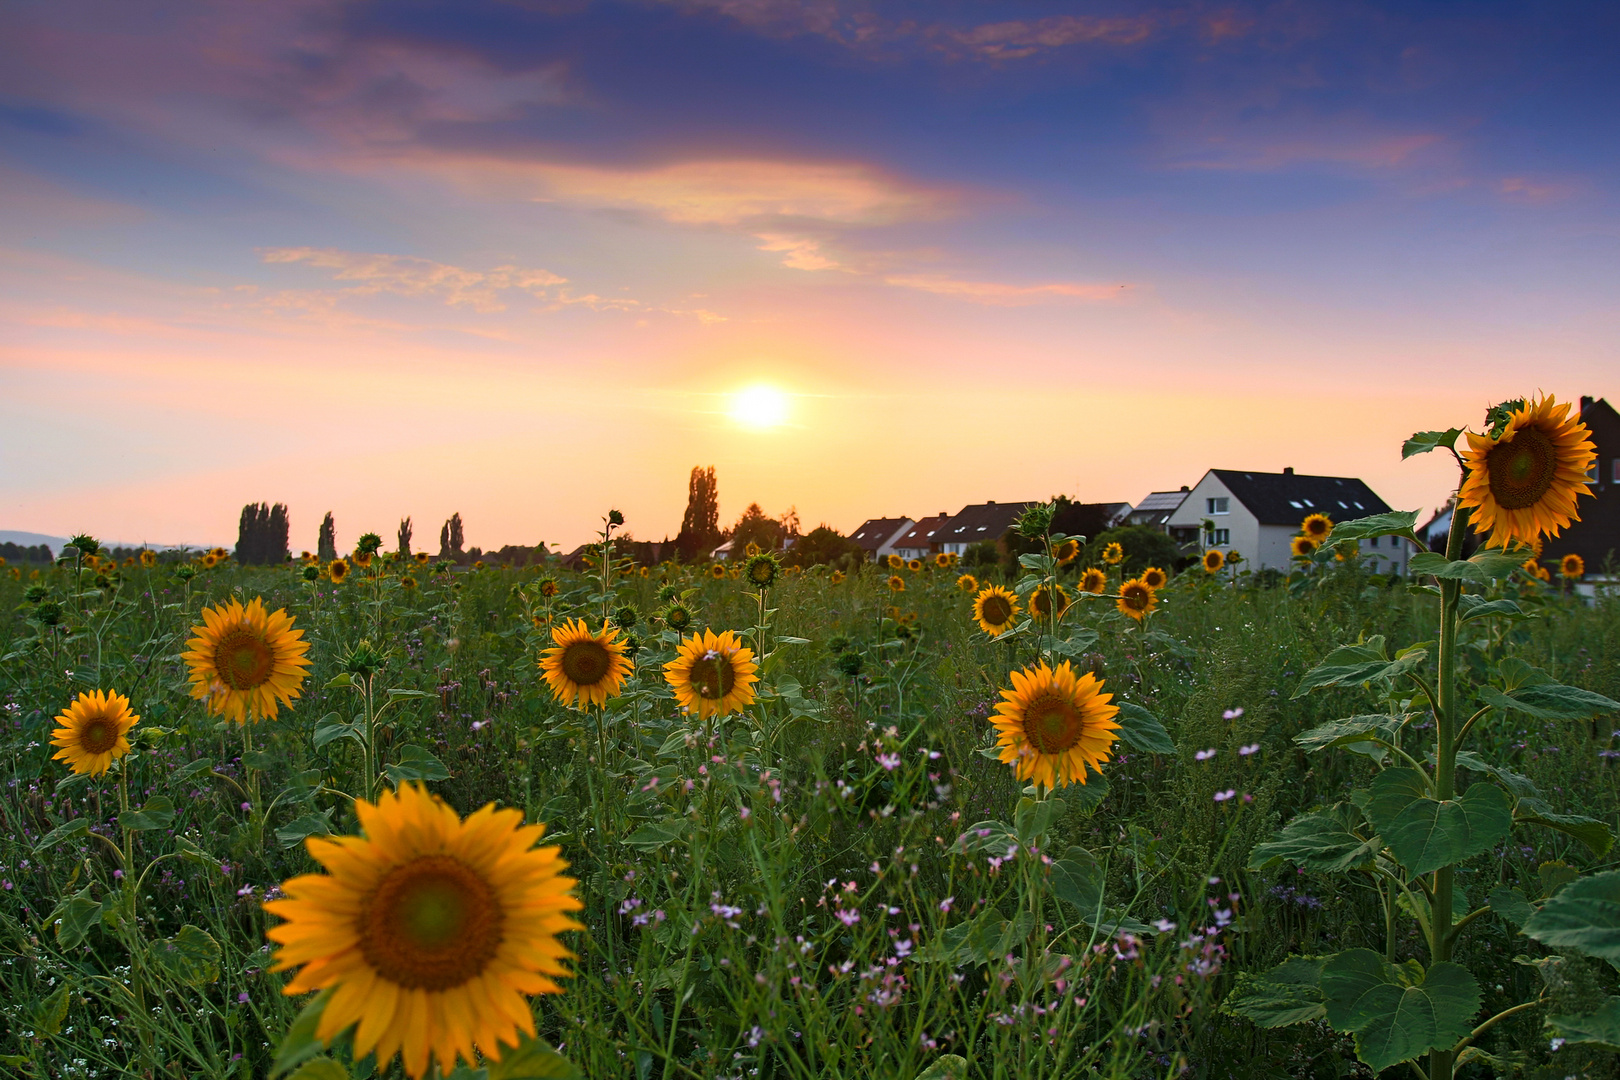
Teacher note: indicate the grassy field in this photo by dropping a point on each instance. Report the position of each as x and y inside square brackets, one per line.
[838, 882]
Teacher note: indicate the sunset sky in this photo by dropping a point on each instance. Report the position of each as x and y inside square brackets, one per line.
[519, 258]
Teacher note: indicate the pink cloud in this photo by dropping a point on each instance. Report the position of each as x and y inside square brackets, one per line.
[799, 252]
[1524, 189]
[408, 276]
[1005, 294]
[1017, 39]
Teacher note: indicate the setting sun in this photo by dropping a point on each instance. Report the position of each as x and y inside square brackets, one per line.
[759, 407]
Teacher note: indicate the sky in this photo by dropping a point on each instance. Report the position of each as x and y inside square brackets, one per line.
[529, 260]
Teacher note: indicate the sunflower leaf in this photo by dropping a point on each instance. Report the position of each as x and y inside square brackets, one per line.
[74, 917]
[1425, 441]
[76, 827]
[1584, 916]
[1394, 523]
[1425, 833]
[655, 834]
[190, 957]
[1393, 1017]
[1551, 701]
[532, 1059]
[1599, 1028]
[1289, 993]
[1141, 730]
[158, 813]
[300, 1043]
[415, 763]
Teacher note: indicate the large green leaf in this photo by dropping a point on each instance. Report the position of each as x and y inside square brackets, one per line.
[1550, 701]
[1289, 993]
[655, 834]
[1351, 729]
[1590, 831]
[1510, 904]
[74, 916]
[1424, 833]
[1599, 1028]
[1584, 915]
[332, 726]
[1077, 880]
[1394, 1015]
[1355, 664]
[1394, 523]
[1142, 731]
[1033, 817]
[946, 1067]
[1477, 607]
[300, 1043]
[52, 1012]
[296, 831]
[1481, 569]
[321, 1068]
[531, 1059]
[415, 763]
[190, 957]
[1517, 783]
[77, 827]
[1321, 842]
[1425, 441]
[158, 813]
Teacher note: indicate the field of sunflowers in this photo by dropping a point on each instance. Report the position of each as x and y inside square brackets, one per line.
[392, 816]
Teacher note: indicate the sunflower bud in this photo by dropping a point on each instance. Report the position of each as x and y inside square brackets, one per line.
[625, 617]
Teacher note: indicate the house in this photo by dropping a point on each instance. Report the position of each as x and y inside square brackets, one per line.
[1596, 537]
[919, 542]
[977, 523]
[1155, 512]
[1259, 514]
[876, 537]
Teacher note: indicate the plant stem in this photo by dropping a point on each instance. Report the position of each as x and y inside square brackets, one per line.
[1445, 766]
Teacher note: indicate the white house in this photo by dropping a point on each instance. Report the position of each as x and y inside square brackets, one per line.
[1258, 515]
[918, 541]
[876, 536]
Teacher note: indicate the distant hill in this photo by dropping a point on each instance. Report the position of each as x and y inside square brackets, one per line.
[55, 543]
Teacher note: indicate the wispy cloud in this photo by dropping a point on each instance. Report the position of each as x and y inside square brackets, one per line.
[1007, 294]
[798, 252]
[1017, 39]
[405, 275]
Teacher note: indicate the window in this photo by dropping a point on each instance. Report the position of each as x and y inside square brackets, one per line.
[1220, 537]
[1614, 467]
[1375, 541]
[1218, 505]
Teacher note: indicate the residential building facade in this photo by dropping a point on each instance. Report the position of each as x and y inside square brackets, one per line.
[1596, 537]
[977, 523]
[918, 542]
[876, 536]
[1258, 515]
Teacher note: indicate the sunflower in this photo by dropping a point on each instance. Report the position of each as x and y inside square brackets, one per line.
[1054, 726]
[148, 559]
[1094, 580]
[1067, 552]
[1233, 558]
[943, 560]
[407, 583]
[837, 577]
[994, 609]
[895, 562]
[677, 617]
[1572, 566]
[548, 587]
[1523, 483]
[1137, 599]
[430, 930]
[421, 558]
[210, 560]
[967, 583]
[914, 565]
[717, 571]
[1041, 604]
[1154, 578]
[219, 553]
[92, 735]
[245, 660]
[1316, 526]
[362, 559]
[896, 583]
[1214, 560]
[1113, 554]
[585, 668]
[337, 570]
[713, 674]
[762, 569]
[1303, 547]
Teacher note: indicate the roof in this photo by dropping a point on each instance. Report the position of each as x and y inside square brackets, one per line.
[921, 535]
[874, 532]
[1286, 498]
[980, 521]
[1161, 500]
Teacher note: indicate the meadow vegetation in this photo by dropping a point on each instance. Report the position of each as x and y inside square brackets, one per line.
[1338, 822]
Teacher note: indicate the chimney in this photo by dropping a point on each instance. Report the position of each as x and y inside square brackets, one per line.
[992, 502]
[1184, 487]
[1288, 470]
[1586, 403]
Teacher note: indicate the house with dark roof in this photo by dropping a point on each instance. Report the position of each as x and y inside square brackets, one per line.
[1258, 514]
[1155, 510]
[876, 536]
[977, 523]
[1596, 537]
[918, 542]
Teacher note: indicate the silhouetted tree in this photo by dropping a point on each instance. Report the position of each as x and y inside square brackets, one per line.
[700, 528]
[405, 537]
[261, 534]
[754, 527]
[824, 544]
[450, 538]
[326, 546]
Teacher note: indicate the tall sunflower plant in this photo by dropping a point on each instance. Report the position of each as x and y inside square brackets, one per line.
[1436, 805]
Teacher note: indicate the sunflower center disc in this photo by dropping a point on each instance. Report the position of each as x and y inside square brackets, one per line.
[585, 662]
[713, 677]
[431, 924]
[1136, 598]
[1052, 724]
[1521, 471]
[996, 610]
[243, 659]
[98, 736]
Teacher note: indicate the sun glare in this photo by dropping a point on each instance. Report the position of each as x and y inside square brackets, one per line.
[759, 407]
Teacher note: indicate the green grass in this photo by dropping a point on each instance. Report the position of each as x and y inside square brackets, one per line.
[723, 867]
